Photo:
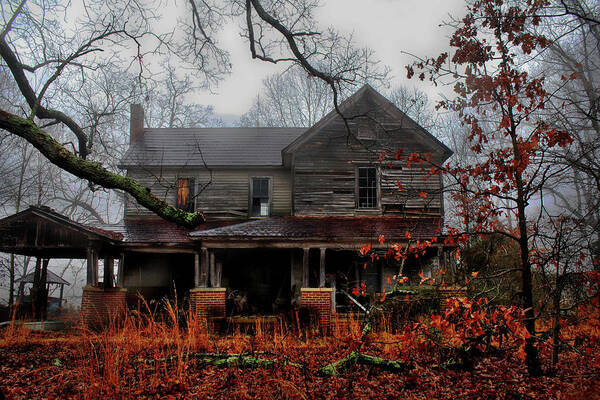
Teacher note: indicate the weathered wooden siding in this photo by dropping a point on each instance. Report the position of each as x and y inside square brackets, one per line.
[325, 168]
[225, 197]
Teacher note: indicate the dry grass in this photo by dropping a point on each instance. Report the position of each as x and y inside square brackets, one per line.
[147, 355]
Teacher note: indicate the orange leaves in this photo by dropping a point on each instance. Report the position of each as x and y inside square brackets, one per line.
[505, 123]
[381, 239]
[407, 235]
[362, 290]
[424, 278]
[365, 249]
[423, 195]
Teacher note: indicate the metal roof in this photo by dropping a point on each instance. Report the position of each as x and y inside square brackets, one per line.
[230, 147]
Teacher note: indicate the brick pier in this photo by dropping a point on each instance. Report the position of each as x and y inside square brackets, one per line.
[319, 300]
[100, 306]
[207, 302]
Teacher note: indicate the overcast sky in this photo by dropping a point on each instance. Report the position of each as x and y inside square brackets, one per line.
[386, 26]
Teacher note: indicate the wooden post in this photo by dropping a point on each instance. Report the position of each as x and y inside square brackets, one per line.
[322, 268]
[42, 292]
[121, 273]
[211, 267]
[305, 265]
[109, 271]
[196, 269]
[218, 272]
[204, 268]
[62, 288]
[92, 267]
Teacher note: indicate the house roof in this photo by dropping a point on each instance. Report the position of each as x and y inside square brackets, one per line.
[228, 147]
[326, 228]
[346, 107]
[51, 277]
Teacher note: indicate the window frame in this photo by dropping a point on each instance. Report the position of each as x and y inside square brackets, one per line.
[377, 206]
[251, 195]
[192, 195]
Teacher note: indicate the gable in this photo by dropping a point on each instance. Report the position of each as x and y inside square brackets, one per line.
[367, 106]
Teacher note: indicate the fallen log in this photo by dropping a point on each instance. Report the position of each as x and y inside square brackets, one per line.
[357, 358]
[225, 360]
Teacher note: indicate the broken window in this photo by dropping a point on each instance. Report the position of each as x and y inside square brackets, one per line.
[185, 194]
[260, 202]
[367, 187]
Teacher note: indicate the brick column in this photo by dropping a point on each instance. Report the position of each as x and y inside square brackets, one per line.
[100, 306]
[207, 302]
[319, 300]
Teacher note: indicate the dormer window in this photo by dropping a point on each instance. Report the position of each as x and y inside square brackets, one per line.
[260, 199]
[367, 187]
[185, 194]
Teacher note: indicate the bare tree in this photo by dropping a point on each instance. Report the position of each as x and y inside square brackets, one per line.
[55, 58]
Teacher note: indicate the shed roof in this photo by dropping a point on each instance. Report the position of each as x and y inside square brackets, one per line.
[229, 147]
[51, 277]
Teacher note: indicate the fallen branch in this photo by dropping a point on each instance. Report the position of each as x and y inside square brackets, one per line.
[225, 360]
[357, 358]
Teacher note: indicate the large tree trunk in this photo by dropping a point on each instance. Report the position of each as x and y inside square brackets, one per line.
[93, 171]
[556, 320]
[532, 359]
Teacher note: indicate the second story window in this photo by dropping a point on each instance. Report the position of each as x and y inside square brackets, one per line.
[185, 194]
[367, 187]
[260, 202]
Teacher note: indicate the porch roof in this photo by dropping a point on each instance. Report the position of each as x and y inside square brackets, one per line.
[332, 229]
[42, 232]
[156, 231]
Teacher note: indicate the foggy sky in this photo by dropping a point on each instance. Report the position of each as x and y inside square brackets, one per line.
[386, 26]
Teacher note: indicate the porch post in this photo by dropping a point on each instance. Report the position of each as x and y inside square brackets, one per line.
[121, 273]
[196, 269]
[211, 267]
[109, 271]
[322, 268]
[204, 268]
[305, 271]
[218, 272]
[92, 267]
[205, 301]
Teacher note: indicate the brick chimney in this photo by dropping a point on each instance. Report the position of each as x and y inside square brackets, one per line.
[136, 123]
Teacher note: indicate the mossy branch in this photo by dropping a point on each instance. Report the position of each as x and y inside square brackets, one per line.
[357, 358]
[226, 360]
[93, 171]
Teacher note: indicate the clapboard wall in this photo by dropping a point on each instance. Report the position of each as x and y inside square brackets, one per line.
[326, 160]
[221, 193]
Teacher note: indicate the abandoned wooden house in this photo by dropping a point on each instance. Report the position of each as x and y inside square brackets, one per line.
[287, 210]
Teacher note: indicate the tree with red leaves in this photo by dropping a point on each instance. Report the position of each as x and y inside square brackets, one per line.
[500, 102]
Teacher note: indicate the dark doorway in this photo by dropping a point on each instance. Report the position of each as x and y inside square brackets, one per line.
[258, 281]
